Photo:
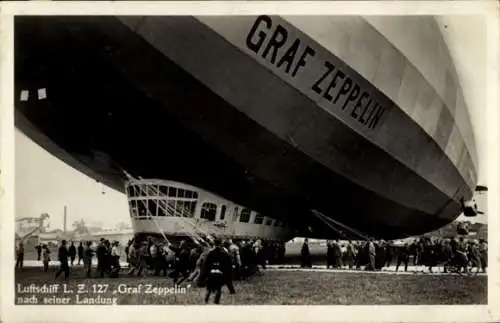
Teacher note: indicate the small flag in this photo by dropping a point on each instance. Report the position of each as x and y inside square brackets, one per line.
[42, 94]
[25, 94]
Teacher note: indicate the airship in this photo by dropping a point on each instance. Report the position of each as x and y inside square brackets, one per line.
[263, 127]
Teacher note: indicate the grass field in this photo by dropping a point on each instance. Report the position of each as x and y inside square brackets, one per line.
[289, 288]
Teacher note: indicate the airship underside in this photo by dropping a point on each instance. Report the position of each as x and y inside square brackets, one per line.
[282, 114]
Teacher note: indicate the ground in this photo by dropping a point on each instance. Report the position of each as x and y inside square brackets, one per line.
[275, 287]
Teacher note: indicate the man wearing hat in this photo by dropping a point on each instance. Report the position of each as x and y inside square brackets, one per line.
[217, 270]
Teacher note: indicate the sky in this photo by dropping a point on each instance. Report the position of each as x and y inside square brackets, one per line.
[466, 40]
[44, 184]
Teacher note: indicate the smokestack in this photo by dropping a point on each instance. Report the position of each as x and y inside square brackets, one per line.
[65, 217]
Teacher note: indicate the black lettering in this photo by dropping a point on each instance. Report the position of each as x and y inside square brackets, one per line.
[374, 108]
[255, 46]
[352, 96]
[376, 118]
[345, 89]
[277, 41]
[333, 84]
[358, 104]
[302, 60]
[364, 112]
[330, 69]
[289, 55]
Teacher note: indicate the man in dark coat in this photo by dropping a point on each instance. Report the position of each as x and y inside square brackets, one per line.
[371, 252]
[281, 252]
[379, 254]
[38, 251]
[101, 258]
[72, 253]
[350, 254]
[453, 245]
[216, 271]
[306, 256]
[80, 252]
[247, 265]
[182, 264]
[403, 256]
[88, 253]
[127, 248]
[20, 256]
[337, 254]
[483, 253]
[414, 252]
[389, 253]
[446, 255]
[329, 254]
[63, 259]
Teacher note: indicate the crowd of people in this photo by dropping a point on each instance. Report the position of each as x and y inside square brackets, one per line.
[186, 261]
[455, 255]
[216, 263]
[157, 257]
[211, 264]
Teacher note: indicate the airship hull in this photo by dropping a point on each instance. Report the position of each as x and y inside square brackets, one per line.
[250, 108]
